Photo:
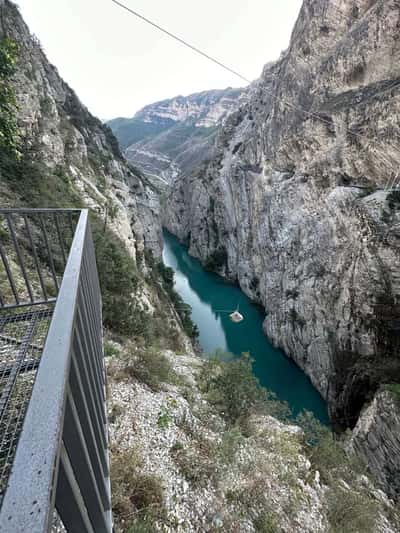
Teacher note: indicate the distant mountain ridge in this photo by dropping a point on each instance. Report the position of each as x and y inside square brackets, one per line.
[175, 135]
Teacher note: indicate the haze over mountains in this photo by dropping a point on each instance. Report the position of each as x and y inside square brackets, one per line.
[173, 136]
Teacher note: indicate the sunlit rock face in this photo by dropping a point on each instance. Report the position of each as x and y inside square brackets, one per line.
[298, 204]
[173, 136]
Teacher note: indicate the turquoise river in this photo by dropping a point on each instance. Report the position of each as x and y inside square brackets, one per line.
[210, 296]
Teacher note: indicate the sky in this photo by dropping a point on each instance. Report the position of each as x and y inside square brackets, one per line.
[117, 63]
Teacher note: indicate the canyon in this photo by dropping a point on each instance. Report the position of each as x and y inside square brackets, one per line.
[287, 188]
[300, 202]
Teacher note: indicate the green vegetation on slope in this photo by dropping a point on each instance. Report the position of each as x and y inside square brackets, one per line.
[184, 310]
[137, 497]
[8, 106]
[228, 388]
[233, 389]
[130, 131]
[34, 184]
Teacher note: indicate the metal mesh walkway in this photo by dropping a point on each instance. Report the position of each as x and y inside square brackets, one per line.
[22, 338]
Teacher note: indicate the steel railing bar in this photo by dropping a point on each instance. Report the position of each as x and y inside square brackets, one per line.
[55, 216]
[93, 402]
[1, 301]
[9, 274]
[53, 270]
[90, 273]
[94, 287]
[35, 257]
[69, 501]
[90, 350]
[92, 381]
[95, 278]
[19, 255]
[3, 322]
[71, 225]
[95, 451]
[75, 444]
[95, 335]
[5, 211]
[28, 502]
[30, 304]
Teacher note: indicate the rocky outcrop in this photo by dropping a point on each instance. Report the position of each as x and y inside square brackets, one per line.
[197, 494]
[215, 477]
[377, 438]
[299, 204]
[167, 138]
[59, 132]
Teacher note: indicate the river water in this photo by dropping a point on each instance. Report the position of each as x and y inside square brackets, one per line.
[210, 296]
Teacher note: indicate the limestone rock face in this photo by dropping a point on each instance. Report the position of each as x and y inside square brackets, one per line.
[173, 136]
[377, 437]
[61, 133]
[300, 205]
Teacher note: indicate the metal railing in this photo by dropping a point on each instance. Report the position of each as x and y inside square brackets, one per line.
[53, 427]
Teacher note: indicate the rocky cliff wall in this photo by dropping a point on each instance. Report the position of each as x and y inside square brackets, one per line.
[298, 205]
[377, 438]
[60, 133]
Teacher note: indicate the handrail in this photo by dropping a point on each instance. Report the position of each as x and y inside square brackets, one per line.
[21, 210]
[42, 236]
[61, 461]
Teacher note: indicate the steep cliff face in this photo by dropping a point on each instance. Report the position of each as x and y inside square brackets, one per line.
[60, 134]
[299, 204]
[173, 136]
[377, 437]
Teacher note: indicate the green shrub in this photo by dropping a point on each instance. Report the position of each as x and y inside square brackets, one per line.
[116, 411]
[394, 389]
[351, 511]
[184, 310]
[266, 522]
[327, 452]
[119, 279]
[314, 431]
[110, 350]
[230, 443]
[164, 418]
[235, 391]
[196, 467]
[176, 447]
[138, 498]
[149, 366]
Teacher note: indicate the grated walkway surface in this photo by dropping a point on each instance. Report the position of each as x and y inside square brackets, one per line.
[22, 338]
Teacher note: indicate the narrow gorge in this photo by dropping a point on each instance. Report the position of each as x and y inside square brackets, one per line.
[288, 190]
[298, 205]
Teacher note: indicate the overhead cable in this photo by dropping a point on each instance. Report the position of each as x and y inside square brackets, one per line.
[182, 41]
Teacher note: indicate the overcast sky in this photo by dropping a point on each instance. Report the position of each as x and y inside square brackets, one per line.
[117, 63]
